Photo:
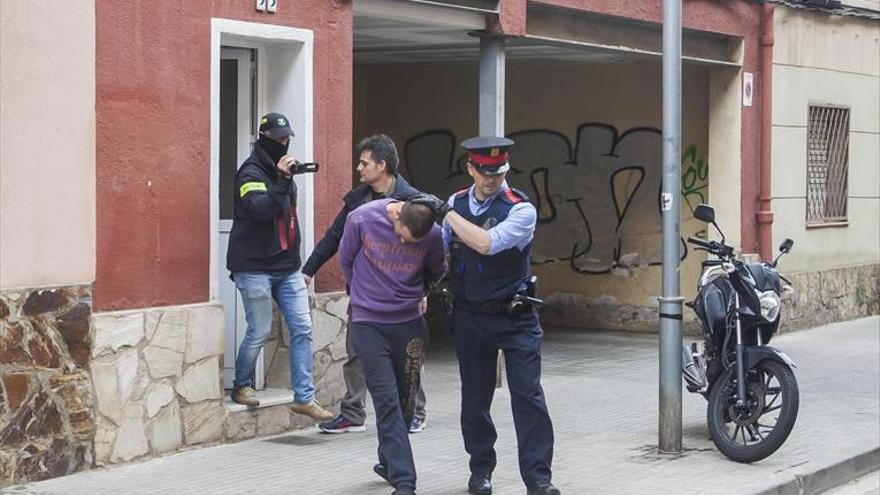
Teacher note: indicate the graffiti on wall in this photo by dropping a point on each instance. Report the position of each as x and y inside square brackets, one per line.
[598, 200]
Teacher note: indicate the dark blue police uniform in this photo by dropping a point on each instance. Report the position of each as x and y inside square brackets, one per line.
[483, 286]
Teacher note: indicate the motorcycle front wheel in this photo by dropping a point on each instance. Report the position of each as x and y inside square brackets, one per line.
[756, 429]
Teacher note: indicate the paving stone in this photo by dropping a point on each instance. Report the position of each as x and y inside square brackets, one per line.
[337, 348]
[165, 431]
[241, 425]
[158, 396]
[325, 328]
[112, 332]
[163, 362]
[47, 301]
[131, 439]
[151, 323]
[105, 436]
[17, 386]
[203, 422]
[205, 333]
[73, 325]
[273, 419]
[338, 307]
[170, 331]
[201, 381]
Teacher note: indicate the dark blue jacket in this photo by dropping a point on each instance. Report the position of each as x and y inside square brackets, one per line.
[327, 246]
[265, 202]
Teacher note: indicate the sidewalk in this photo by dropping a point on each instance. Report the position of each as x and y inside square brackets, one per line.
[602, 391]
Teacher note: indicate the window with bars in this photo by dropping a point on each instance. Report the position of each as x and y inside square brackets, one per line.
[827, 164]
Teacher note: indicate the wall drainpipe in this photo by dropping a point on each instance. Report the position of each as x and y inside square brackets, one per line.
[765, 214]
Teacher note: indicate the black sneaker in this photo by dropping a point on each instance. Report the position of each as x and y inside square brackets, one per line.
[341, 424]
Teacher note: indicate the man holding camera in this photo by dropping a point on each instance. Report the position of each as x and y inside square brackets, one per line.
[377, 168]
[489, 229]
[264, 260]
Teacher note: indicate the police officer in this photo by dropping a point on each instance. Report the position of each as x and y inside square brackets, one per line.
[489, 229]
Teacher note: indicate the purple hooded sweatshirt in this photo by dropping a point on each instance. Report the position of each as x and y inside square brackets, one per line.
[385, 276]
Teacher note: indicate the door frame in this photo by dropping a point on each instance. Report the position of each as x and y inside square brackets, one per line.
[246, 115]
[284, 83]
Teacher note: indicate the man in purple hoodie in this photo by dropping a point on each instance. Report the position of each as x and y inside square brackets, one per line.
[390, 251]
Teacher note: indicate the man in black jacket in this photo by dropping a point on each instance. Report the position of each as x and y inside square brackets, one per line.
[377, 167]
[265, 263]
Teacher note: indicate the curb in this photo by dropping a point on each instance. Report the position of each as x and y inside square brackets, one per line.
[826, 478]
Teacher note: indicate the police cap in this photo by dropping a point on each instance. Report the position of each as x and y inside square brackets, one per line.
[488, 154]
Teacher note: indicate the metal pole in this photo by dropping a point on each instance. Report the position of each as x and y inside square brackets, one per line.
[671, 302]
[492, 111]
[491, 85]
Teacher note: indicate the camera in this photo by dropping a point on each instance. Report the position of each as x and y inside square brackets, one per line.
[303, 168]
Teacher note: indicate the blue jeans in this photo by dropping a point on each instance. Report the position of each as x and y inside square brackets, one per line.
[289, 291]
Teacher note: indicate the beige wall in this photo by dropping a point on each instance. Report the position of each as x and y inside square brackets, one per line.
[555, 101]
[864, 4]
[822, 59]
[47, 131]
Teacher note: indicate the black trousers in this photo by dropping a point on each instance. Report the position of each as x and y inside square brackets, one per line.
[478, 337]
[392, 355]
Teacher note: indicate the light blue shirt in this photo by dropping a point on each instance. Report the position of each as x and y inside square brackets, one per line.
[517, 229]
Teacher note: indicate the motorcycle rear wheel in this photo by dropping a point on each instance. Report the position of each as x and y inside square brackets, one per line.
[771, 387]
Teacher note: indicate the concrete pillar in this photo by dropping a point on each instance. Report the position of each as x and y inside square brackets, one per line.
[491, 85]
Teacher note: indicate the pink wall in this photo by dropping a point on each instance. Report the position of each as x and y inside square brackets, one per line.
[47, 143]
[153, 140]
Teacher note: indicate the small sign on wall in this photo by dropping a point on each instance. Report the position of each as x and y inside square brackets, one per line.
[273, 4]
[261, 5]
[748, 88]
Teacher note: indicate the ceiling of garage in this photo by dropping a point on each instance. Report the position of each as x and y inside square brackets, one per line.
[378, 40]
[436, 31]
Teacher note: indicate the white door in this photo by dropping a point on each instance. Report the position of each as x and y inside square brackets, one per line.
[238, 120]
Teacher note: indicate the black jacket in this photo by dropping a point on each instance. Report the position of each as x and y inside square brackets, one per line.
[327, 246]
[265, 203]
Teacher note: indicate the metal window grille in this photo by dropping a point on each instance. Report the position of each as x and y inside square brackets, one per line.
[827, 164]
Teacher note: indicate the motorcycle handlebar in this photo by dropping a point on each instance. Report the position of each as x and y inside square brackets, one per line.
[711, 246]
[698, 241]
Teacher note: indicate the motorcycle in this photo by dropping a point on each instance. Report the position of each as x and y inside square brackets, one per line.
[751, 388]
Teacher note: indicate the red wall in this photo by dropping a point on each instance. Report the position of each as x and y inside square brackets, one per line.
[153, 134]
[153, 139]
[739, 18]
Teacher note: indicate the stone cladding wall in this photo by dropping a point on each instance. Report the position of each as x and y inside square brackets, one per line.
[820, 297]
[46, 399]
[156, 375]
[329, 317]
[79, 390]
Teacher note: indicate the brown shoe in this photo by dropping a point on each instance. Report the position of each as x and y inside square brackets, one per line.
[312, 409]
[246, 396]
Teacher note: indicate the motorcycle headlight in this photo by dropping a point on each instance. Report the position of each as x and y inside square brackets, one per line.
[770, 304]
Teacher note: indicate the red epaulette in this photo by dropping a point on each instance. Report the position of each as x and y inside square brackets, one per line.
[514, 196]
